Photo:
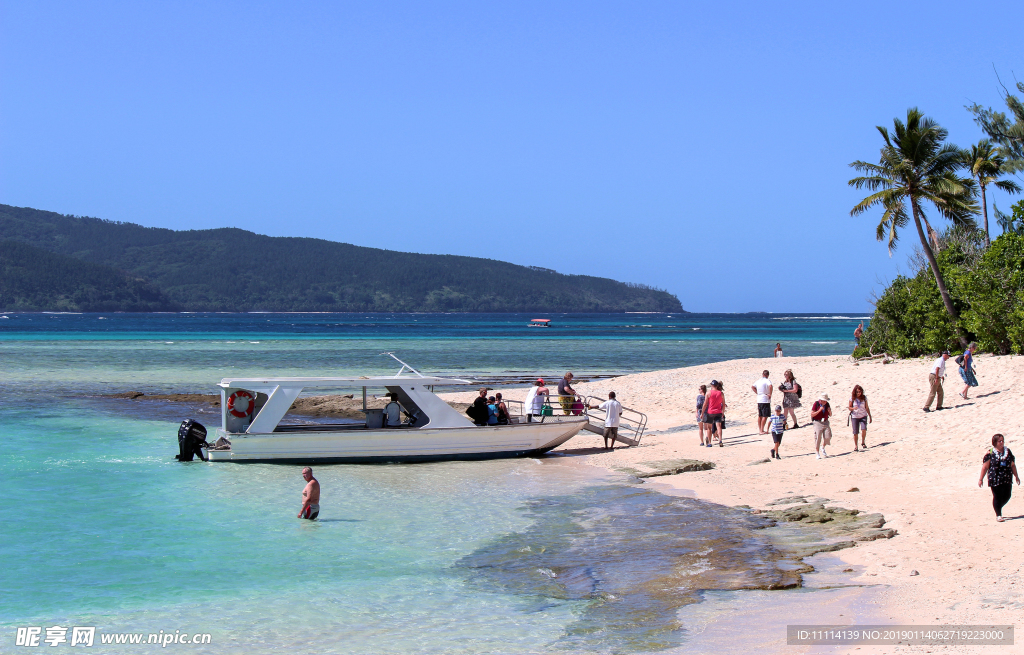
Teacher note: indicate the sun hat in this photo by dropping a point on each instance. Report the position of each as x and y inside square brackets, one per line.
[540, 380]
[824, 397]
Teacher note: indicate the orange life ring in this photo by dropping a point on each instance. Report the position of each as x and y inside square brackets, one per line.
[240, 409]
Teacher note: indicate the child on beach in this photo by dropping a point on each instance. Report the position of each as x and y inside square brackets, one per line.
[778, 423]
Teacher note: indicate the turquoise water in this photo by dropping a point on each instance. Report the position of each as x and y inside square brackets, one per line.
[103, 528]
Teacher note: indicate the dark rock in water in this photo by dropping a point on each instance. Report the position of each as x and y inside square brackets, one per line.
[636, 556]
[131, 395]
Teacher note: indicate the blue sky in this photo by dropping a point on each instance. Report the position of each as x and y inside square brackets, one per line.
[699, 147]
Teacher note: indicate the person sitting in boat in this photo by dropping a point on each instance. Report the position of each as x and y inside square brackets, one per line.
[478, 411]
[393, 412]
[503, 418]
[492, 411]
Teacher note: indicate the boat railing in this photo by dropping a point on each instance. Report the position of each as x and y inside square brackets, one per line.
[631, 422]
[551, 411]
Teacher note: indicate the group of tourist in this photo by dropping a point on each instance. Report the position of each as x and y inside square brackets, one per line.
[488, 410]
[711, 414]
[538, 403]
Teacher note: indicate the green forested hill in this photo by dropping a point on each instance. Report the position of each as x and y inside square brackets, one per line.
[35, 280]
[234, 270]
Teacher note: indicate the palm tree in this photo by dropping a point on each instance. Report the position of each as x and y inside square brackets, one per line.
[916, 165]
[986, 166]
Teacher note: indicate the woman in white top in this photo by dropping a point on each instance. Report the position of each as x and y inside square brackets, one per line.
[860, 416]
[778, 350]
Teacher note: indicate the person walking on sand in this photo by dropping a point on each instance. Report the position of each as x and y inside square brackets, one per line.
[791, 393]
[310, 496]
[860, 416]
[966, 362]
[612, 410]
[763, 388]
[858, 333]
[714, 412]
[999, 464]
[778, 350]
[700, 414]
[936, 375]
[778, 422]
[566, 394]
[820, 413]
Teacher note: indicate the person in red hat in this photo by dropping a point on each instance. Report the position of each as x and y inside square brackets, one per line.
[535, 398]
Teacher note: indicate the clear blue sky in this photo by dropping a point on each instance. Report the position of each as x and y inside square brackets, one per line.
[700, 147]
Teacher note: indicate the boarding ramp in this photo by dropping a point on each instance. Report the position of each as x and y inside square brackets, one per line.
[631, 422]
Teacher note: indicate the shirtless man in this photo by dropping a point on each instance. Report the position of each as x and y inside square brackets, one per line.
[310, 496]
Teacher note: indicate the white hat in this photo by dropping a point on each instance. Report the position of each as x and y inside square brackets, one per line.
[824, 397]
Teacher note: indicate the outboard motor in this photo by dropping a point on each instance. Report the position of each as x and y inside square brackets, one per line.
[191, 440]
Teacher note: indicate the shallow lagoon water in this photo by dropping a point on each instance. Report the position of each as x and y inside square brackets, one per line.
[104, 528]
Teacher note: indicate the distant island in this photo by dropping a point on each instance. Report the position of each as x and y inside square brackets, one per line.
[56, 262]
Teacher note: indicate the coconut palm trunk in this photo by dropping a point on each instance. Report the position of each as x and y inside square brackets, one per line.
[947, 300]
[984, 211]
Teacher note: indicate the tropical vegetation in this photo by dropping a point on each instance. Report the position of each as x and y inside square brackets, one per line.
[965, 286]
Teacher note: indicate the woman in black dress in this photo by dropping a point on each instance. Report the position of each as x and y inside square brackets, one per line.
[998, 463]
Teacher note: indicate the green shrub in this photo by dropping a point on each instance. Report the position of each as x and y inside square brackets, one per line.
[987, 288]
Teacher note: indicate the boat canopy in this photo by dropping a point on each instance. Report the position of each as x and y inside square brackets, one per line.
[357, 381]
[541, 320]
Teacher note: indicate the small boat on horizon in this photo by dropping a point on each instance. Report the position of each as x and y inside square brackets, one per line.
[540, 322]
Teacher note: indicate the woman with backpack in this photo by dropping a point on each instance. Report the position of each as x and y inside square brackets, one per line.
[966, 362]
[791, 393]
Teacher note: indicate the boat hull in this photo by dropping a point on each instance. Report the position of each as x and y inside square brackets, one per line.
[362, 446]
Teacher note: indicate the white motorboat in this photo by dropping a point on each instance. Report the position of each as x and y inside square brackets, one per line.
[252, 410]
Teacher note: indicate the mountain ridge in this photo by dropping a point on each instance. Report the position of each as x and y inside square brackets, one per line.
[231, 269]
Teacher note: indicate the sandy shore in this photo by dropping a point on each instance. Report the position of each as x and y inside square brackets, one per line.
[921, 472]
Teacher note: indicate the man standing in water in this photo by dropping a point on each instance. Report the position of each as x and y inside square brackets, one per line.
[310, 496]
[858, 333]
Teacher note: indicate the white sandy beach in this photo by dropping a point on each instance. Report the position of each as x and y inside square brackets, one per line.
[921, 472]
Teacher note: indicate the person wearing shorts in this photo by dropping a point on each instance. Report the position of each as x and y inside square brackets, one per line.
[566, 394]
[860, 416]
[612, 412]
[778, 424]
[763, 388]
[714, 411]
